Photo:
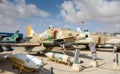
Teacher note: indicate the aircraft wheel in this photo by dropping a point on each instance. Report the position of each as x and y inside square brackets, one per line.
[13, 67]
[20, 72]
[87, 47]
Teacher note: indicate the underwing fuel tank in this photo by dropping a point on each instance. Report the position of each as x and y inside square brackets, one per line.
[35, 49]
[62, 57]
[38, 49]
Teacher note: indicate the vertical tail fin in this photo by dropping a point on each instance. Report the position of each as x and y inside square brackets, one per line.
[30, 31]
[15, 35]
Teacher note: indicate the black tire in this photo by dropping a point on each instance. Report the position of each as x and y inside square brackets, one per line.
[87, 47]
[20, 72]
[18, 39]
[13, 67]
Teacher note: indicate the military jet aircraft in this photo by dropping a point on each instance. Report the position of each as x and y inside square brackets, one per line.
[8, 34]
[52, 37]
[10, 38]
[13, 38]
[100, 40]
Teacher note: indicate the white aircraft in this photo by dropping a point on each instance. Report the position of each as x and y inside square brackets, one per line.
[25, 62]
[99, 39]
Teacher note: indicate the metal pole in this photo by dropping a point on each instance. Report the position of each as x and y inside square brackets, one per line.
[115, 49]
[93, 51]
[51, 70]
[117, 60]
[76, 55]
[63, 47]
[117, 56]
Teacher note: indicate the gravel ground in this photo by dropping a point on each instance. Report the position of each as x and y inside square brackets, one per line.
[105, 61]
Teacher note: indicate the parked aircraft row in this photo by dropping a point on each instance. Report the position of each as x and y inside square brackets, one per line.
[50, 38]
[55, 35]
[58, 37]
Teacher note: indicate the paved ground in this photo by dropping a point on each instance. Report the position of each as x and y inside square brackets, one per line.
[105, 60]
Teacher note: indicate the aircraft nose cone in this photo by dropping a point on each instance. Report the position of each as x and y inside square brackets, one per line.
[86, 36]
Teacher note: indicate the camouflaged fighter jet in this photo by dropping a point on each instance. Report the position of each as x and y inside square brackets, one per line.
[51, 38]
[10, 38]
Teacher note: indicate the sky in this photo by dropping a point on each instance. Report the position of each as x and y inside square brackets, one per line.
[98, 15]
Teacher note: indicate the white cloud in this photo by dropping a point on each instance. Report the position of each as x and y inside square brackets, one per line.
[12, 12]
[20, 9]
[103, 11]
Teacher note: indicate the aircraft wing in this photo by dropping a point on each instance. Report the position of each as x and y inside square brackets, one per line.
[49, 42]
[19, 44]
[59, 41]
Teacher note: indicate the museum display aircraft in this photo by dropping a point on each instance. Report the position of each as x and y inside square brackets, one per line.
[52, 37]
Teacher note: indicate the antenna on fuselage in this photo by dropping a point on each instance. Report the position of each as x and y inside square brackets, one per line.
[78, 29]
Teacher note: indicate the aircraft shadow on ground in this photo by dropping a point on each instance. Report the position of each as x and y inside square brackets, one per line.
[41, 71]
[6, 66]
[82, 56]
[106, 50]
[39, 54]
